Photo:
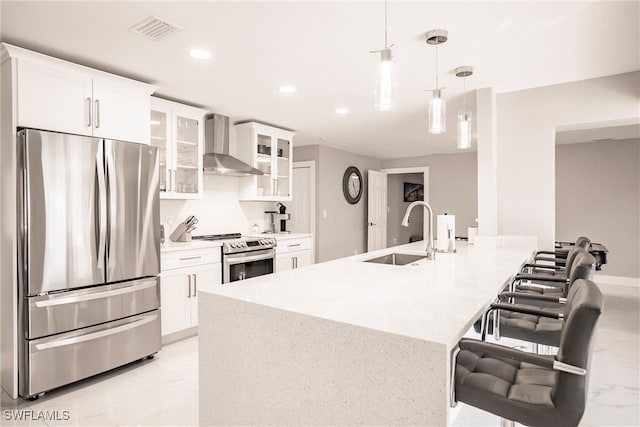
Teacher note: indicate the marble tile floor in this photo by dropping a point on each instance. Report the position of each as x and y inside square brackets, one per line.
[164, 391]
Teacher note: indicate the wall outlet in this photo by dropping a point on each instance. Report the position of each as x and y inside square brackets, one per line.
[395, 241]
[324, 213]
[355, 252]
[169, 220]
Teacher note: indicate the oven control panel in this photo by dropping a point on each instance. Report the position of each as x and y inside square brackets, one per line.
[248, 245]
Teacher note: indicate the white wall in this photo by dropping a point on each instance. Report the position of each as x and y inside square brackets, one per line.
[526, 123]
[219, 210]
[343, 232]
[598, 196]
[453, 185]
[396, 233]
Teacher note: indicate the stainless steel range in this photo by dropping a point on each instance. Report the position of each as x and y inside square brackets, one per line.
[244, 257]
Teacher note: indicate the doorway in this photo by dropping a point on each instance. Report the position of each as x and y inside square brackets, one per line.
[303, 203]
[396, 212]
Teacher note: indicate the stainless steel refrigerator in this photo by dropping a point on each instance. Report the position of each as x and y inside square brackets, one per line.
[89, 257]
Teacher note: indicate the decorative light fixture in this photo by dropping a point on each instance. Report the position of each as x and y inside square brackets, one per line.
[464, 115]
[437, 104]
[386, 91]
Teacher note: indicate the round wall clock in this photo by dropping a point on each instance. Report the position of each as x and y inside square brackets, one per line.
[352, 185]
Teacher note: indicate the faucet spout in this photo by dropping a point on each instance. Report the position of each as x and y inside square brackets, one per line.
[429, 235]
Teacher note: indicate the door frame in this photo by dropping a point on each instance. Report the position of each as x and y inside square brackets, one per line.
[424, 170]
[311, 164]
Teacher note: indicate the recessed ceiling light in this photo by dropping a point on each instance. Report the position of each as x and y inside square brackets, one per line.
[287, 89]
[342, 110]
[323, 139]
[200, 53]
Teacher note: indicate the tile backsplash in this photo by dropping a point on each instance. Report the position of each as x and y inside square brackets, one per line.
[218, 211]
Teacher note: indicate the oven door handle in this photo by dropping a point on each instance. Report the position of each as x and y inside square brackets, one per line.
[241, 259]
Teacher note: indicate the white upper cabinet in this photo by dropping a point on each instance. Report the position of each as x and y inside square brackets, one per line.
[120, 110]
[54, 99]
[178, 132]
[61, 96]
[268, 149]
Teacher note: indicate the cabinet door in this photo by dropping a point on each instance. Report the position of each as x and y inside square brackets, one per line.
[175, 300]
[264, 161]
[203, 276]
[302, 258]
[54, 99]
[120, 111]
[284, 262]
[159, 136]
[187, 134]
[282, 162]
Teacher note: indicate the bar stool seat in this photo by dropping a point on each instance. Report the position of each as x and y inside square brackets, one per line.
[529, 388]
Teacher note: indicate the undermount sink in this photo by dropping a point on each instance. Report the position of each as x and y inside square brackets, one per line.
[396, 259]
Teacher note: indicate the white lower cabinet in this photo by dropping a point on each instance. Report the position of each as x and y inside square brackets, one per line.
[183, 273]
[293, 253]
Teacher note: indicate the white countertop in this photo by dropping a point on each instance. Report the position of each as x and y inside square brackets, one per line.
[169, 246]
[432, 300]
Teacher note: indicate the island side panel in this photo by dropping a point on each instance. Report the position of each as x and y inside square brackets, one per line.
[260, 365]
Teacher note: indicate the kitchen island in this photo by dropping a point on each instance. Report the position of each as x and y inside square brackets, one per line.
[344, 342]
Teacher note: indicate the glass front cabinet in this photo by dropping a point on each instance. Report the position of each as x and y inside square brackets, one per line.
[268, 149]
[178, 132]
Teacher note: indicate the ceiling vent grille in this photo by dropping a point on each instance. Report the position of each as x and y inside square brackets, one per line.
[154, 28]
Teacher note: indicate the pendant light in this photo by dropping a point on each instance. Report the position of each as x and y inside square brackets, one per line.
[386, 91]
[464, 115]
[437, 104]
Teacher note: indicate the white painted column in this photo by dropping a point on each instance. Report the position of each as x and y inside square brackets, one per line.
[487, 162]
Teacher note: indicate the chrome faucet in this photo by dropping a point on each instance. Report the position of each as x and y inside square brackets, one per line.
[431, 253]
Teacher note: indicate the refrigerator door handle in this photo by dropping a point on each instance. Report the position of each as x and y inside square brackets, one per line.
[111, 177]
[96, 335]
[96, 295]
[102, 208]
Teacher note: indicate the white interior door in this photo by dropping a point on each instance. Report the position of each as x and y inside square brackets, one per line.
[300, 208]
[377, 211]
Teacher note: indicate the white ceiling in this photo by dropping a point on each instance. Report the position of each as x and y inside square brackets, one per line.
[323, 49]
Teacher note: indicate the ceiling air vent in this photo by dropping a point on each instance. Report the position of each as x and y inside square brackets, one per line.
[154, 28]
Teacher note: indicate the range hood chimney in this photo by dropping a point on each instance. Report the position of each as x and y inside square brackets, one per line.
[216, 157]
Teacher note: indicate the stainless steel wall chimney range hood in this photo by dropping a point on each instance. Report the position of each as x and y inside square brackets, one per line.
[216, 157]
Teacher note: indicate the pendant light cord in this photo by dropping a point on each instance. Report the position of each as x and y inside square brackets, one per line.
[464, 94]
[385, 24]
[436, 67]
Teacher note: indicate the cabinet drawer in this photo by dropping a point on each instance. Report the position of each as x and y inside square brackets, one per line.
[188, 258]
[290, 245]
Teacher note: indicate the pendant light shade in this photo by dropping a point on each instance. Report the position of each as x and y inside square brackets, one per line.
[464, 129]
[464, 115]
[437, 112]
[437, 103]
[386, 90]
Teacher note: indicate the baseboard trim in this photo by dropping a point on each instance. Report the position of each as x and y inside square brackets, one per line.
[617, 280]
[180, 335]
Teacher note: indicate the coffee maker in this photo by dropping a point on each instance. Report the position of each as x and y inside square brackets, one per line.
[278, 219]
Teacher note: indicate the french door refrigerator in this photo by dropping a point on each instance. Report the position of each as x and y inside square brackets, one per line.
[89, 257]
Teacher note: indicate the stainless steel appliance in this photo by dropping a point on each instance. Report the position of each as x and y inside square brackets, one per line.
[244, 257]
[89, 257]
[216, 157]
